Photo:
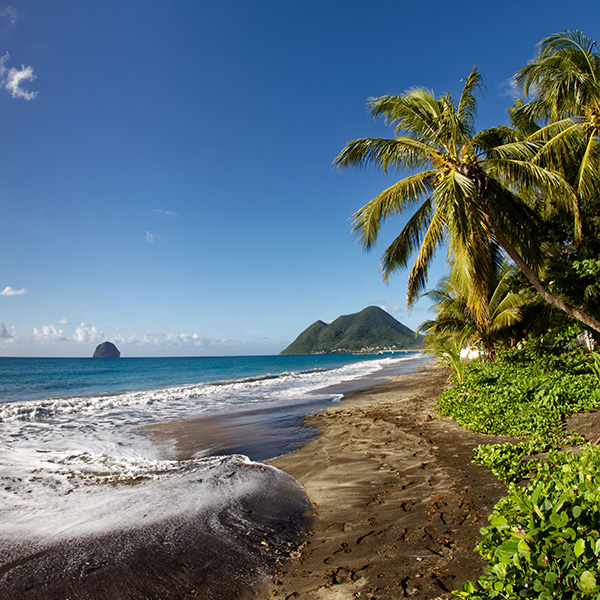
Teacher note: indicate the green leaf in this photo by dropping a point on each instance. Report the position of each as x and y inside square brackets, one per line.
[498, 521]
[587, 581]
[579, 547]
[536, 493]
[539, 512]
[576, 512]
[551, 577]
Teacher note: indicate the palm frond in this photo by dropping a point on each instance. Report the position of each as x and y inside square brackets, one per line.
[391, 202]
[467, 105]
[416, 113]
[381, 153]
[491, 138]
[523, 117]
[520, 173]
[587, 181]
[401, 249]
[417, 277]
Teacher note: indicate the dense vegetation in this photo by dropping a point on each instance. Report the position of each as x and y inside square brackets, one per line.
[543, 540]
[518, 209]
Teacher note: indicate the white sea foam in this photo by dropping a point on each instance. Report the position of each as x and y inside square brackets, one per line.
[86, 494]
[75, 466]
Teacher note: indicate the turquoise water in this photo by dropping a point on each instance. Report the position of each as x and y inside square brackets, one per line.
[24, 379]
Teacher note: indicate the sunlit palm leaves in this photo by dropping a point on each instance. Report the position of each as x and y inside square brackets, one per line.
[562, 84]
[450, 302]
[460, 185]
[473, 191]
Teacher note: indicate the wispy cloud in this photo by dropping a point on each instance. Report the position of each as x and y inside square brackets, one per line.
[64, 321]
[9, 291]
[12, 79]
[164, 213]
[149, 237]
[508, 88]
[9, 16]
[391, 309]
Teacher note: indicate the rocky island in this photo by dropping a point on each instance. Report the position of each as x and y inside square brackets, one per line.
[106, 350]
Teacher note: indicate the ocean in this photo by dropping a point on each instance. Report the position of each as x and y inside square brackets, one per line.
[91, 503]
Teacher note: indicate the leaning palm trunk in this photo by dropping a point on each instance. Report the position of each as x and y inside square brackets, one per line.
[553, 300]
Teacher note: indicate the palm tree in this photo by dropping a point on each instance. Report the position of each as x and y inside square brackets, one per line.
[563, 82]
[454, 318]
[464, 186]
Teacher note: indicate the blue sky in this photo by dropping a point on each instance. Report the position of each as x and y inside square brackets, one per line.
[166, 176]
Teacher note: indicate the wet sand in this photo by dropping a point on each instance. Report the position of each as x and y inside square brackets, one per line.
[397, 502]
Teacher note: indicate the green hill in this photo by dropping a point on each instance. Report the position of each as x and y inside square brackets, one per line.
[370, 330]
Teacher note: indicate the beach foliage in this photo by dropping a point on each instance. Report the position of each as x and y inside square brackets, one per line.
[543, 540]
[510, 462]
[447, 348]
[525, 393]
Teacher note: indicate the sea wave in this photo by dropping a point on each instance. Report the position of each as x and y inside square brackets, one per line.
[207, 397]
[92, 494]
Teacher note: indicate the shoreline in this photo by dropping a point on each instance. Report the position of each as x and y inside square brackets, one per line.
[397, 502]
[263, 433]
[394, 509]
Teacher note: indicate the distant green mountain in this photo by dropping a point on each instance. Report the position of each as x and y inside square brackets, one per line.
[371, 330]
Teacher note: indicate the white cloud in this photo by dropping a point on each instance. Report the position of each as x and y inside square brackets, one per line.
[391, 309]
[63, 321]
[84, 332]
[11, 79]
[48, 332]
[9, 291]
[164, 213]
[10, 15]
[4, 334]
[508, 87]
[149, 237]
[170, 340]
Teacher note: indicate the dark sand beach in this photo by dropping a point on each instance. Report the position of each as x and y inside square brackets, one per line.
[396, 511]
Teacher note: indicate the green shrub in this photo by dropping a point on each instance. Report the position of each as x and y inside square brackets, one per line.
[543, 541]
[524, 393]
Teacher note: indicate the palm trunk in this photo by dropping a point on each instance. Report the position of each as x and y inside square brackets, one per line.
[537, 284]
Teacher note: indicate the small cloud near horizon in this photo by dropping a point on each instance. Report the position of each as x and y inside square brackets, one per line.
[11, 79]
[84, 332]
[9, 291]
[49, 332]
[4, 334]
[149, 237]
[391, 309]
